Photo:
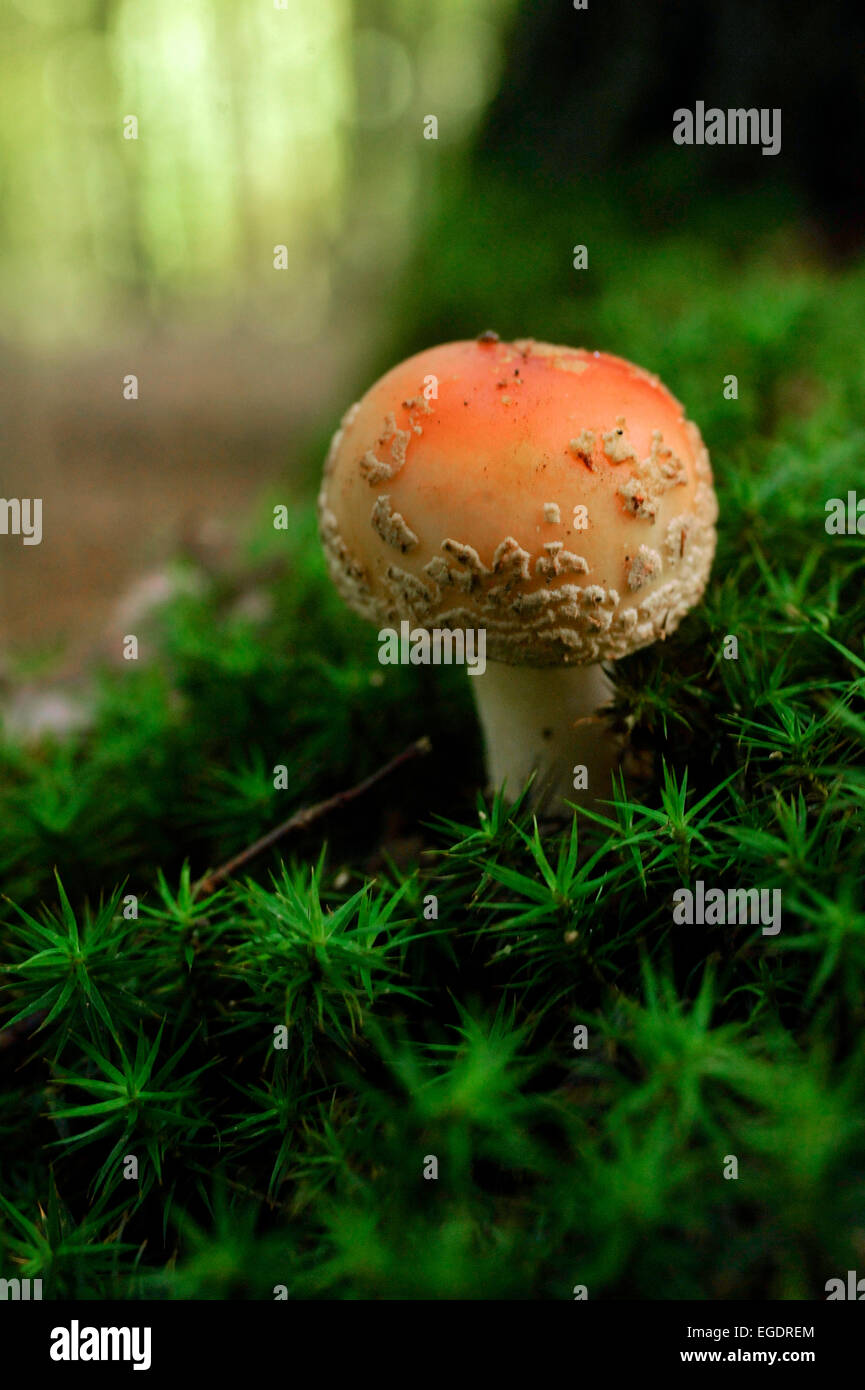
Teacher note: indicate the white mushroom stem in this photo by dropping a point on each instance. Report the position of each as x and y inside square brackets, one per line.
[545, 720]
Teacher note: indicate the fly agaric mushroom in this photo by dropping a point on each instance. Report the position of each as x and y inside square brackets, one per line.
[557, 499]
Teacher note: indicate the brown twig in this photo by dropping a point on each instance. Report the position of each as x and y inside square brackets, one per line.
[309, 815]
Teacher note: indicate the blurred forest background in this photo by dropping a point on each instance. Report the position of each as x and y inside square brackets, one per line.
[258, 126]
[303, 126]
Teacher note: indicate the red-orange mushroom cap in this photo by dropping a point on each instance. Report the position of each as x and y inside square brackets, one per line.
[557, 498]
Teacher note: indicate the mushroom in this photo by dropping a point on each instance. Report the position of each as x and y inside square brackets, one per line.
[555, 499]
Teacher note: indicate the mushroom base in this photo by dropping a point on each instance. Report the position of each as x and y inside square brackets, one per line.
[546, 721]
